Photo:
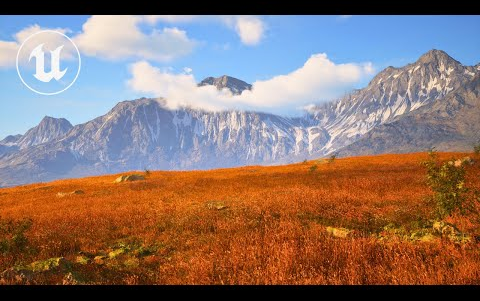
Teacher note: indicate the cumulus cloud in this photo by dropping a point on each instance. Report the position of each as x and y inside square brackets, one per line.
[250, 29]
[109, 37]
[8, 53]
[319, 79]
[180, 89]
[9, 49]
[136, 37]
[120, 37]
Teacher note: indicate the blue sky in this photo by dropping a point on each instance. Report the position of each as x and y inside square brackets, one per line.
[302, 53]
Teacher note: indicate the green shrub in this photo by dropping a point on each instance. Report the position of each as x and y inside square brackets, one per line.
[313, 168]
[447, 180]
[12, 235]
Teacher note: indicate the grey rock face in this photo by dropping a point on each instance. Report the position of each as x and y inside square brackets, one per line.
[11, 139]
[9, 144]
[235, 85]
[47, 130]
[432, 102]
[392, 93]
[452, 124]
[142, 133]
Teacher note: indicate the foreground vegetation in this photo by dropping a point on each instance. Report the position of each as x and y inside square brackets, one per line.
[364, 220]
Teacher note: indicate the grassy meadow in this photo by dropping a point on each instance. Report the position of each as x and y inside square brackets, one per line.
[359, 220]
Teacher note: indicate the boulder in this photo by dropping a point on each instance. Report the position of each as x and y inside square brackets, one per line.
[129, 178]
[451, 232]
[422, 236]
[49, 264]
[438, 226]
[338, 232]
[82, 260]
[116, 252]
[100, 259]
[64, 194]
[216, 205]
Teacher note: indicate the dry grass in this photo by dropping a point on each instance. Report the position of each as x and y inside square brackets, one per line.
[267, 226]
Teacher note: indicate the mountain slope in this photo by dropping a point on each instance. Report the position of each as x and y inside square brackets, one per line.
[47, 130]
[143, 134]
[11, 139]
[391, 93]
[9, 144]
[450, 124]
[433, 101]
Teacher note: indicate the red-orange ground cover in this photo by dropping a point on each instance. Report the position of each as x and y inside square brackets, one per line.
[249, 225]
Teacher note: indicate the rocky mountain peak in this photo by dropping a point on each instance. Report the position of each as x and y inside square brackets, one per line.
[441, 94]
[48, 120]
[437, 57]
[392, 93]
[235, 85]
[48, 129]
[10, 139]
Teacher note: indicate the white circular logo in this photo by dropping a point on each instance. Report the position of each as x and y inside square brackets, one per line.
[48, 62]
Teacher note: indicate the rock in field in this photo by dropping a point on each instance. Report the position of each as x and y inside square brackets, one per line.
[338, 232]
[64, 194]
[129, 178]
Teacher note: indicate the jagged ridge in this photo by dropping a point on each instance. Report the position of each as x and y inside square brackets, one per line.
[144, 134]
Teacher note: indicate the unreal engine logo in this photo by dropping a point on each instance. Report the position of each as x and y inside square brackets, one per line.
[48, 62]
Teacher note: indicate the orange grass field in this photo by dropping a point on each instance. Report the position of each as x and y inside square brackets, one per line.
[247, 225]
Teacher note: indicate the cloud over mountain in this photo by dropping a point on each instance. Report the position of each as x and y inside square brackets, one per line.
[317, 80]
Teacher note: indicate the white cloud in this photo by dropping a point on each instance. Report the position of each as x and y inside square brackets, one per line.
[120, 37]
[187, 70]
[180, 89]
[8, 49]
[250, 29]
[127, 37]
[309, 108]
[319, 79]
[8, 53]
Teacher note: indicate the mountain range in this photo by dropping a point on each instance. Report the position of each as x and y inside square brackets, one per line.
[433, 102]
